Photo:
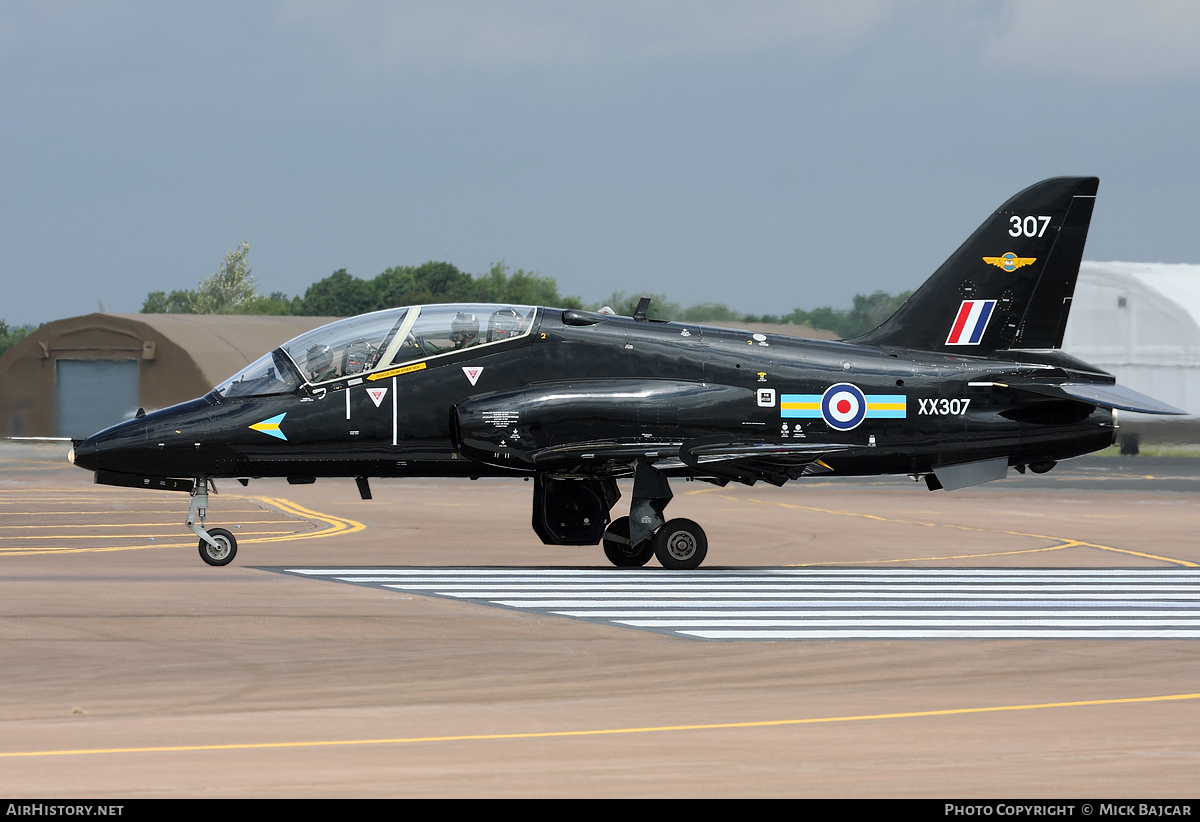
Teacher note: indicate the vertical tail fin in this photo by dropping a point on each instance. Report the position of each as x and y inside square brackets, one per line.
[1009, 285]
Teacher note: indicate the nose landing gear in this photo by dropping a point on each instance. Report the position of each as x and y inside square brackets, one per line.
[217, 546]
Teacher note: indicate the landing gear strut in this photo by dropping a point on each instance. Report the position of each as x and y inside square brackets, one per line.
[218, 546]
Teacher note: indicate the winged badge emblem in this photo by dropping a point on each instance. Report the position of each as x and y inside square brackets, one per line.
[1010, 261]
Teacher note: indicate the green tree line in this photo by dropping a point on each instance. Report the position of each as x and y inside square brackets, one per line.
[232, 290]
[11, 336]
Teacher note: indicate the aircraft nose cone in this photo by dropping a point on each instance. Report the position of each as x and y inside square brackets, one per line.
[107, 449]
[84, 454]
[162, 443]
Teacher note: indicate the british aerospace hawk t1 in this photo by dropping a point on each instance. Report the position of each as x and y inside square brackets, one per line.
[962, 383]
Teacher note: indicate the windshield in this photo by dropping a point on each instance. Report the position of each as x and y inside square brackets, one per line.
[265, 375]
[369, 342]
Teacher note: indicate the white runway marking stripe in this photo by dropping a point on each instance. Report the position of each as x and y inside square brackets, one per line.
[764, 588]
[756, 575]
[792, 604]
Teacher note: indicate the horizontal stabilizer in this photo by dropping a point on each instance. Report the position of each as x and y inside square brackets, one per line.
[1110, 396]
[1118, 396]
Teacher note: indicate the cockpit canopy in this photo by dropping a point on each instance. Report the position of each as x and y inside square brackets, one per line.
[371, 342]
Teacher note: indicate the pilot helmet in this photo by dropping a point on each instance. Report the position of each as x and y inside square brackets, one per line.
[318, 359]
[464, 329]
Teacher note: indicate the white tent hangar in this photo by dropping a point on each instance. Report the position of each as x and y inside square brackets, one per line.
[1141, 323]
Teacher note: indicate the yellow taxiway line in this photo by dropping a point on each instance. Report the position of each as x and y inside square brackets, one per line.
[333, 526]
[715, 726]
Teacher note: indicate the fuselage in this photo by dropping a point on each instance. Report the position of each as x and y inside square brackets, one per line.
[578, 394]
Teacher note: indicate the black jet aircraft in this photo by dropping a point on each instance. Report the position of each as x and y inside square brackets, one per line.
[963, 382]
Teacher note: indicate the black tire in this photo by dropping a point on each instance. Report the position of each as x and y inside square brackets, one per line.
[622, 554]
[680, 545]
[225, 554]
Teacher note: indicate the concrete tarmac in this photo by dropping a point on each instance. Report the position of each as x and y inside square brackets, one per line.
[128, 668]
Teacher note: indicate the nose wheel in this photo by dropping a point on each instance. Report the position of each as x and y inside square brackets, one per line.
[221, 550]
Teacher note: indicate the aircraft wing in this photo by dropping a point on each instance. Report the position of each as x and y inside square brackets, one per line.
[1110, 396]
[749, 461]
[730, 459]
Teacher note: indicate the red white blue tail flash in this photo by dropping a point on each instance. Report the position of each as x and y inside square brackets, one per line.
[971, 322]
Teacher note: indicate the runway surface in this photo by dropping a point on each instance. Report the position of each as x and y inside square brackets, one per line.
[130, 669]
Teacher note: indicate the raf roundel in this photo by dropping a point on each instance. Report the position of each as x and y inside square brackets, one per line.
[843, 406]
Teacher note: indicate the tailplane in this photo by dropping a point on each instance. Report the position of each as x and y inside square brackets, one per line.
[1009, 285]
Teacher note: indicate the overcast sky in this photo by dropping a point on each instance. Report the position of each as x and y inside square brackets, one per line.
[763, 154]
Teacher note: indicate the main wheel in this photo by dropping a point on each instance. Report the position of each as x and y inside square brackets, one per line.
[680, 545]
[225, 550]
[622, 554]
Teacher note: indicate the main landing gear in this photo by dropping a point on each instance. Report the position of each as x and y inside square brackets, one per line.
[575, 511]
[217, 546]
[679, 544]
